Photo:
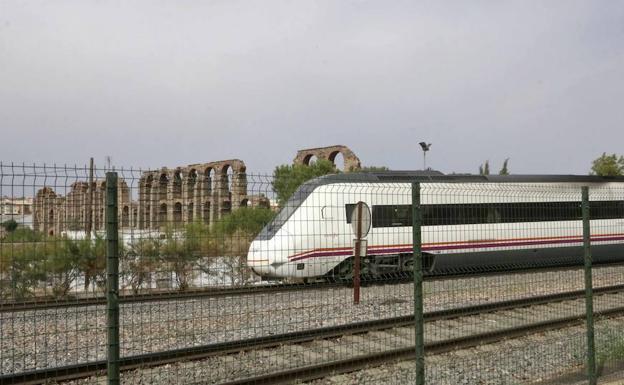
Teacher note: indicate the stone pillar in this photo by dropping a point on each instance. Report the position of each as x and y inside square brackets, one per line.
[239, 188]
[197, 198]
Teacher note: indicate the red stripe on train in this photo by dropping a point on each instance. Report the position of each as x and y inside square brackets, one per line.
[471, 246]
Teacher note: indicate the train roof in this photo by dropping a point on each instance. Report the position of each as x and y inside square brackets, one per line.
[430, 176]
[433, 176]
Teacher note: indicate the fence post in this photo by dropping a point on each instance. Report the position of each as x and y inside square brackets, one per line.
[112, 278]
[589, 295]
[418, 281]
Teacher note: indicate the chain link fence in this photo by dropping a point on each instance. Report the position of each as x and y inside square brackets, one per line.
[209, 274]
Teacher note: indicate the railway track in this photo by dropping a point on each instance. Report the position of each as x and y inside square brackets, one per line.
[378, 341]
[48, 303]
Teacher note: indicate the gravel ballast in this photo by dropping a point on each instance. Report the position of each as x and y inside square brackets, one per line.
[55, 337]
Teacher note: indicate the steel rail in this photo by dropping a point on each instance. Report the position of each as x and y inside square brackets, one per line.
[312, 372]
[77, 371]
[44, 304]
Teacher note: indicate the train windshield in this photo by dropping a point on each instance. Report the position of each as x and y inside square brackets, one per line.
[291, 206]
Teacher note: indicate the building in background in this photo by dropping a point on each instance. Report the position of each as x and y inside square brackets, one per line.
[15, 206]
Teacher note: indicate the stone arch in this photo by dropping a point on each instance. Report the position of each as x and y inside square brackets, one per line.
[163, 183]
[191, 181]
[192, 186]
[177, 184]
[148, 210]
[162, 214]
[208, 182]
[190, 212]
[177, 212]
[149, 181]
[206, 212]
[351, 161]
[135, 217]
[226, 184]
[226, 176]
[145, 202]
[125, 217]
[337, 155]
[309, 159]
[226, 207]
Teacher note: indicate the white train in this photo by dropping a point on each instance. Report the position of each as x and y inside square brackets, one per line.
[469, 222]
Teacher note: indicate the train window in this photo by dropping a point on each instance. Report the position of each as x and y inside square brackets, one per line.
[607, 209]
[392, 215]
[493, 214]
[402, 215]
[349, 207]
[465, 214]
[382, 216]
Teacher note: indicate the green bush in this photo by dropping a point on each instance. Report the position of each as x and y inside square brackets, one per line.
[287, 178]
[21, 271]
[246, 220]
[10, 225]
[23, 234]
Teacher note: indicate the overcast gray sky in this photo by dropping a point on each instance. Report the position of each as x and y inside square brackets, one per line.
[166, 83]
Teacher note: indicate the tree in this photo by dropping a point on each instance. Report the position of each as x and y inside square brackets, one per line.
[234, 235]
[504, 170]
[10, 225]
[23, 235]
[287, 178]
[140, 261]
[182, 251]
[178, 255]
[91, 255]
[608, 165]
[248, 220]
[484, 169]
[61, 262]
[21, 269]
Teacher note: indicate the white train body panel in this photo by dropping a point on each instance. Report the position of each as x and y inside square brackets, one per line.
[316, 237]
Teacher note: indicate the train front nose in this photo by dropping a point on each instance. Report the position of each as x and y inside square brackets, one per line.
[261, 259]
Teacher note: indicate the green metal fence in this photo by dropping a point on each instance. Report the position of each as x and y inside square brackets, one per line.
[208, 274]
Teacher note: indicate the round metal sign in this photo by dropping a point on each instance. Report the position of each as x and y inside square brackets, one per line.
[366, 219]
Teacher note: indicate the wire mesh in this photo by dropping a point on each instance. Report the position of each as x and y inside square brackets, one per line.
[227, 276]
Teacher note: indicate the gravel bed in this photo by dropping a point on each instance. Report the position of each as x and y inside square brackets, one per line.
[55, 337]
[535, 359]
[499, 361]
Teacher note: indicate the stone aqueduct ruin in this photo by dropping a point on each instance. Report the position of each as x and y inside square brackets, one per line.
[351, 161]
[53, 213]
[205, 191]
[169, 196]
